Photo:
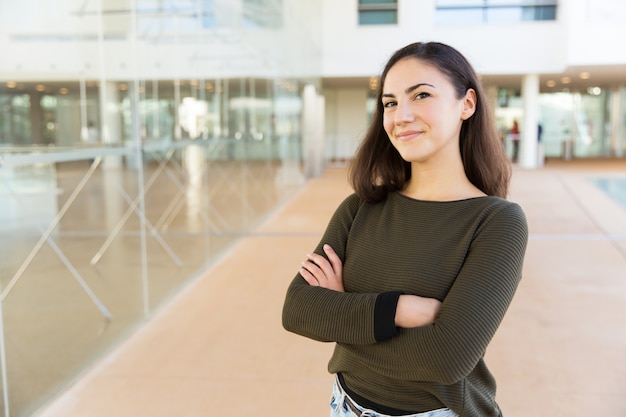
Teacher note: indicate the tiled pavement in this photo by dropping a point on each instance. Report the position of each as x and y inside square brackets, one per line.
[218, 348]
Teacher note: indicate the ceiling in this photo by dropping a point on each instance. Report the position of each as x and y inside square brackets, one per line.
[598, 76]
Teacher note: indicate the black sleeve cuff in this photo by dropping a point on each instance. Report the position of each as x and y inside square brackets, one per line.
[385, 315]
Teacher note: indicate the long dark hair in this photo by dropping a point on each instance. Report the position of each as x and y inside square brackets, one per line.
[378, 168]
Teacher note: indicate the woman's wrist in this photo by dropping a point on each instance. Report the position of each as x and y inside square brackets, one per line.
[415, 311]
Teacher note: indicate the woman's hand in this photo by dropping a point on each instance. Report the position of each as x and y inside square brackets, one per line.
[416, 311]
[321, 272]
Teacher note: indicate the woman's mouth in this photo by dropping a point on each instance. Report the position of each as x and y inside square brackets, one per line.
[408, 135]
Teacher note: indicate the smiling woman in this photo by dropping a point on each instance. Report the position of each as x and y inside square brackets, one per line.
[417, 268]
[431, 88]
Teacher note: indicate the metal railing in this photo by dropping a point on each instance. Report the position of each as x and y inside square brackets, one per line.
[73, 213]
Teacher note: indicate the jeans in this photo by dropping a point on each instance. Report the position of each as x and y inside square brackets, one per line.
[339, 407]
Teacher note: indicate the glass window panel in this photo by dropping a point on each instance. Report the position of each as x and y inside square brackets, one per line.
[539, 13]
[459, 17]
[516, 3]
[493, 3]
[80, 88]
[378, 2]
[460, 3]
[15, 120]
[378, 17]
[504, 15]
[262, 13]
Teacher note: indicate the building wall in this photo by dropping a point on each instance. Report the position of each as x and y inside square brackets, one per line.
[584, 33]
[363, 50]
[346, 121]
[594, 30]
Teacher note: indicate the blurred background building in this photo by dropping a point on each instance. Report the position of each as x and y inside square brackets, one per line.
[139, 139]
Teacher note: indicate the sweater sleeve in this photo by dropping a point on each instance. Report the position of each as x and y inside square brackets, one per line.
[472, 311]
[331, 316]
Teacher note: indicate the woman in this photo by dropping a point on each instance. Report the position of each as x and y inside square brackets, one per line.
[418, 267]
[515, 139]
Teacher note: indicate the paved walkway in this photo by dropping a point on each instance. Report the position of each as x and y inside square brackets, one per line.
[218, 349]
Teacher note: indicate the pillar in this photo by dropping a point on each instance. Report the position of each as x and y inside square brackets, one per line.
[529, 147]
[616, 123]
[312, 131]
[111, 121]
[36, 119]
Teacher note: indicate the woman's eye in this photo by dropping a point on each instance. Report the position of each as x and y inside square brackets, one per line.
[420, 96]
[389, 104]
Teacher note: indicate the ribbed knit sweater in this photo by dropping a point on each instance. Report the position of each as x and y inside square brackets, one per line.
[466, 253]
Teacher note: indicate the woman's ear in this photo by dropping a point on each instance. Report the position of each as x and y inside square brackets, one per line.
[469, 104]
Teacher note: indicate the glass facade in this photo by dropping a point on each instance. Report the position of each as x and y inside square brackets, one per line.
[378, 12]
[243, 110]
[138, 141]
[573, 124]
[455, 12]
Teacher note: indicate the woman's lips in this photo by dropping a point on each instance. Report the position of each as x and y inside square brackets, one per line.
[408, 135]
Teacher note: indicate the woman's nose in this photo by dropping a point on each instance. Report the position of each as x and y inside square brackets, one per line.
[404, 113]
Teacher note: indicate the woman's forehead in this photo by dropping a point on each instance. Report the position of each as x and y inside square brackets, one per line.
[412, 71]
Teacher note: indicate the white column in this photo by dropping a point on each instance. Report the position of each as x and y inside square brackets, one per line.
[111, 123]
[312, 131]
[529, 149]
[616, 135]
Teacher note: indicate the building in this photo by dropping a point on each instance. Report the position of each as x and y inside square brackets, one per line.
[543, 62]
[236, 67]
[138, 138]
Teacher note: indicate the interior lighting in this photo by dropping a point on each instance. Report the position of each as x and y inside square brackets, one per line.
[551, 83]
[584, 75]
[566, 80]
[40, 87]
[373, 83]
[63, 90]
[11, 84]
[594, 91]
[209, 86]
[123, 87]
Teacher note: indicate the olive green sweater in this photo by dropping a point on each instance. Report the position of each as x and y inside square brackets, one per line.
[466, 253]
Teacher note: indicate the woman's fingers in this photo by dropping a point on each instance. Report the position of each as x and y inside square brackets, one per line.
[309, 277]
[321, 264]
[319, 271]
[334, 259]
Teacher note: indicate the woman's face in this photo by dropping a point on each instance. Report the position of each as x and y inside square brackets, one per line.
[422, 115]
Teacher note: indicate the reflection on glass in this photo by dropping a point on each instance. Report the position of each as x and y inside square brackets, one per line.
[216, 108]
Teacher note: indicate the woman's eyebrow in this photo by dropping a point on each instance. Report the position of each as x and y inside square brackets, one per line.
[409, 90]
[416, 86]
